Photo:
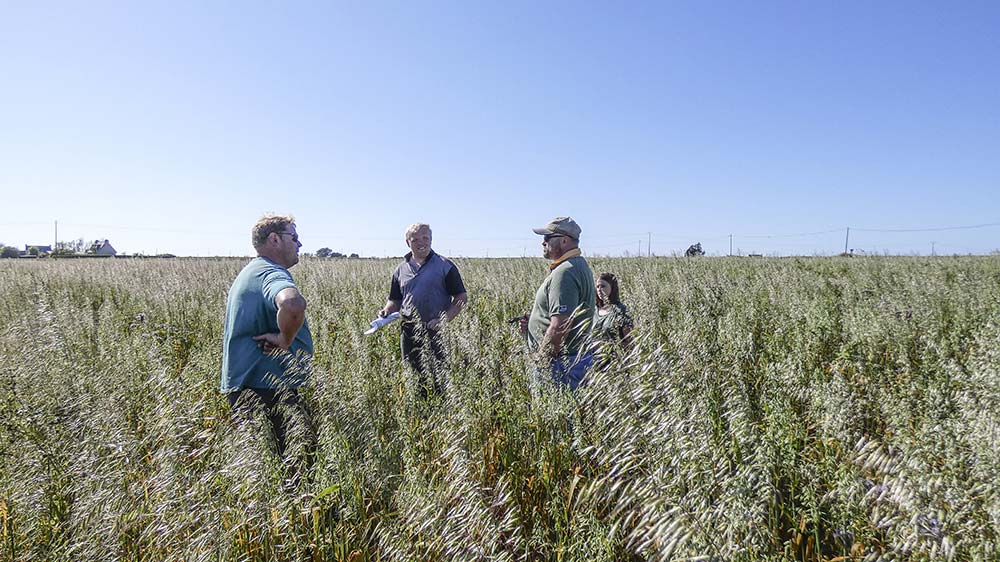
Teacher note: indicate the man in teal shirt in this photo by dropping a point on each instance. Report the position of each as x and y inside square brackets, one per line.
[266, 346]
[559, 324]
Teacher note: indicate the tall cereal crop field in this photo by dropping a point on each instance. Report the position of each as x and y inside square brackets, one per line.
[771, 409]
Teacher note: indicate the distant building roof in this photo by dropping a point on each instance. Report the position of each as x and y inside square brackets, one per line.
[101, 247]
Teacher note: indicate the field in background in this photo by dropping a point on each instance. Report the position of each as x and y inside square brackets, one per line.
[801, 409]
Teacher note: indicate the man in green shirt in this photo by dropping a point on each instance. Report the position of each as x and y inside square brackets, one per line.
[266, 344]
[559, 324]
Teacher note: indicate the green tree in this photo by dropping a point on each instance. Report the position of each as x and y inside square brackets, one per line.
[68, 247]
[328, 253]
[8, 252]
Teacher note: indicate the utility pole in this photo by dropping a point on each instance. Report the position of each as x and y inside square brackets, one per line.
[730, 245]
[847, 238]
[932, 247]
[649, 245]
[640, 248]
[55, 242]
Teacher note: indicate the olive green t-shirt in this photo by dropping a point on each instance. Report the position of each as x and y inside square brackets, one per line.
[567, 291]
[609, 328]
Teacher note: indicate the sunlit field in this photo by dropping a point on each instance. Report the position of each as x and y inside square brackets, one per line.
[771, 409]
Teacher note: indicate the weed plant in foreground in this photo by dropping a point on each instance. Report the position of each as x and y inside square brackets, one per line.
[773, 409]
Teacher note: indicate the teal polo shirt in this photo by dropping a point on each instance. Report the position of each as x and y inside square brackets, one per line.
[251, 311]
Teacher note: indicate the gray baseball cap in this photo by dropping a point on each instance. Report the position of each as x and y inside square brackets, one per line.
[561, 225]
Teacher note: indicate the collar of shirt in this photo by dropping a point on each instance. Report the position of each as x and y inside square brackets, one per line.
[272, 262]
[409, 257]
[570, 254]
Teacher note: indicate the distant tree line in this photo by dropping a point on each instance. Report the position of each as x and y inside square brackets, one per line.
[67, 248]
[8, 251]
[328, 253]
[62, 249]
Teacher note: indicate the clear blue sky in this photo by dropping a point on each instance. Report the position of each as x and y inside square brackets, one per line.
[172, 126]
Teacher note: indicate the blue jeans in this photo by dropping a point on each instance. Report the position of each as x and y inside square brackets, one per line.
[569, 371]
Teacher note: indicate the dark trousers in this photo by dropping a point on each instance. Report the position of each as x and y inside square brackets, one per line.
[288, 418]
[422, 349]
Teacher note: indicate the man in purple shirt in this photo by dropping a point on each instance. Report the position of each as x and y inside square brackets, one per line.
[427, 290]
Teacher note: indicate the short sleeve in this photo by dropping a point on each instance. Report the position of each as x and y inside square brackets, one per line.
[453, 281]
[564, 294]
[275, 281]
[395, 291]
[626, 323]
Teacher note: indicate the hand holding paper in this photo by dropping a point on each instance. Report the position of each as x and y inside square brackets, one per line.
[380, 323]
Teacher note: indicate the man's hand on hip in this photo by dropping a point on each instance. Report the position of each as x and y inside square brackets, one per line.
[272, 343]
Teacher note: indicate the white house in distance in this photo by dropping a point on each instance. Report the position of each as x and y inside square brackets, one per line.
[43, 250]
[102, 248]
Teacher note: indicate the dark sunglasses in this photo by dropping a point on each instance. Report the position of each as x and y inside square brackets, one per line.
[295, 237]
[549, 237]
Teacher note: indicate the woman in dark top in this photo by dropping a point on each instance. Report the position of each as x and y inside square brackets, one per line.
[612, 322]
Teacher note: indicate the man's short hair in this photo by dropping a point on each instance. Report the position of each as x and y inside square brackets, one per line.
[416, 227]
[268, 224]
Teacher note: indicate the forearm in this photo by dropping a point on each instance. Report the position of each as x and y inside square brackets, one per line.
[626, 337]
[290, 317]
[457, 304]
[390, 307]
[552, 341]
[290, 320]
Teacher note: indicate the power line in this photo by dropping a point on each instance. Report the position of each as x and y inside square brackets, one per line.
[940, 229]
[604, 246]
[964, 248]
[157, 229]
[798, 235]
[688, 238]
[592, 243]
